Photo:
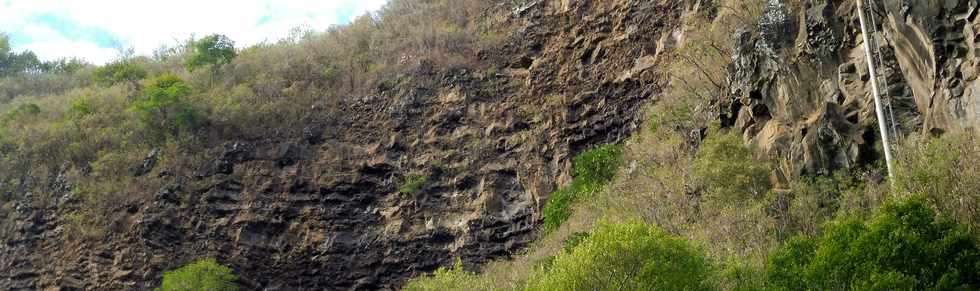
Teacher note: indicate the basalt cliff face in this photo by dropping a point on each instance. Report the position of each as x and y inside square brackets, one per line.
[323, 210]
[799, 89]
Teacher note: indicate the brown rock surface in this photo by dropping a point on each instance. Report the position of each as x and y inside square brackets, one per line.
[808, 105]
[309, 213]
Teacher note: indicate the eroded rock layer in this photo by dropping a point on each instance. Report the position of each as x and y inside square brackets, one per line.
[323, 210]
[804, 97]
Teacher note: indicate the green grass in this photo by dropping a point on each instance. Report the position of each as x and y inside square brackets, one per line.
[413, 184]
[204, 275]
[593, 169]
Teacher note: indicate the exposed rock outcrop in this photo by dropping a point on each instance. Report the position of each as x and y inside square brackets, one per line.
[322, 210]
[808, 105]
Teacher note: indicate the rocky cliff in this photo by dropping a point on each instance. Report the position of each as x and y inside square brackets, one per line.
[323, 209]
[800, 91]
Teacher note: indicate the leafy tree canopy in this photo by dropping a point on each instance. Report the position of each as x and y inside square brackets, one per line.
[904, 247]
[12, 63]
[118, 72]
[627, 256]
[164, 110]
[212, 50]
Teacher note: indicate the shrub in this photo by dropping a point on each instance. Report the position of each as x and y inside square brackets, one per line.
[599, 165]
[728, 170]
[163, 109]
[203, 275]
[816, 200]
[903, 245]
[413, 184]
[21, 111]
[454, 278]
[78, 109]
[118, 72]
[592, 170]
[946, 171]
[627, 256]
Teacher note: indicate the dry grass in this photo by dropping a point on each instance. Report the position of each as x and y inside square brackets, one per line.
[659, 186]
[270, 90]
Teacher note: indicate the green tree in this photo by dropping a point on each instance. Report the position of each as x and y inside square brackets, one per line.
[63, 66]
[729, 171]
[119, 72]
[212, 50]
[163, 109]
[903, 247]
[16, 63]
[627, 256]
[203, 275]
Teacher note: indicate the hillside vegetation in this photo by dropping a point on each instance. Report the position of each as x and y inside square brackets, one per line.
[731, 222]
[689, 201]
[91, 125]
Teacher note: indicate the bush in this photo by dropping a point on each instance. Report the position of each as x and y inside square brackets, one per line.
[904, 245]
[413, 184]
[203, 275]
[454, 278]
[817, 199]
[627, 256]
[592, 170]
[163, 109]
[728, 170]
[119, 72]
[21, 111]
[946, 171]
[79, 108]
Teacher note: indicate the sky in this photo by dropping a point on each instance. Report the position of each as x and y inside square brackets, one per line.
[94, 30]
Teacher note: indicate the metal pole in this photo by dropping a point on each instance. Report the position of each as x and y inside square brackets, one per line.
[874, 90]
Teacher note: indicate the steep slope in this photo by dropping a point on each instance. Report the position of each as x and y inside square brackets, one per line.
[789, 79]
[457, 163]
[799, 88]
[324, 209]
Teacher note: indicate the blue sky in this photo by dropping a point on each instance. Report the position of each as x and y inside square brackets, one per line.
[95, 29]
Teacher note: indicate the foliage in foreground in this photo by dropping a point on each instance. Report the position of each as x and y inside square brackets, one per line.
[627, 256]
[904, 247]
[454, 278]
[946, 171]
[593, 169]
[203, 275]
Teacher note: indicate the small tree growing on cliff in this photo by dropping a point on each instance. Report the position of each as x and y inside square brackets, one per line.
[203, 275]
[163, 109]
[212, 50]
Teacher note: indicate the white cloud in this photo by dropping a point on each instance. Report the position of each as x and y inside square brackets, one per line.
[146, 25]
[52, 45]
